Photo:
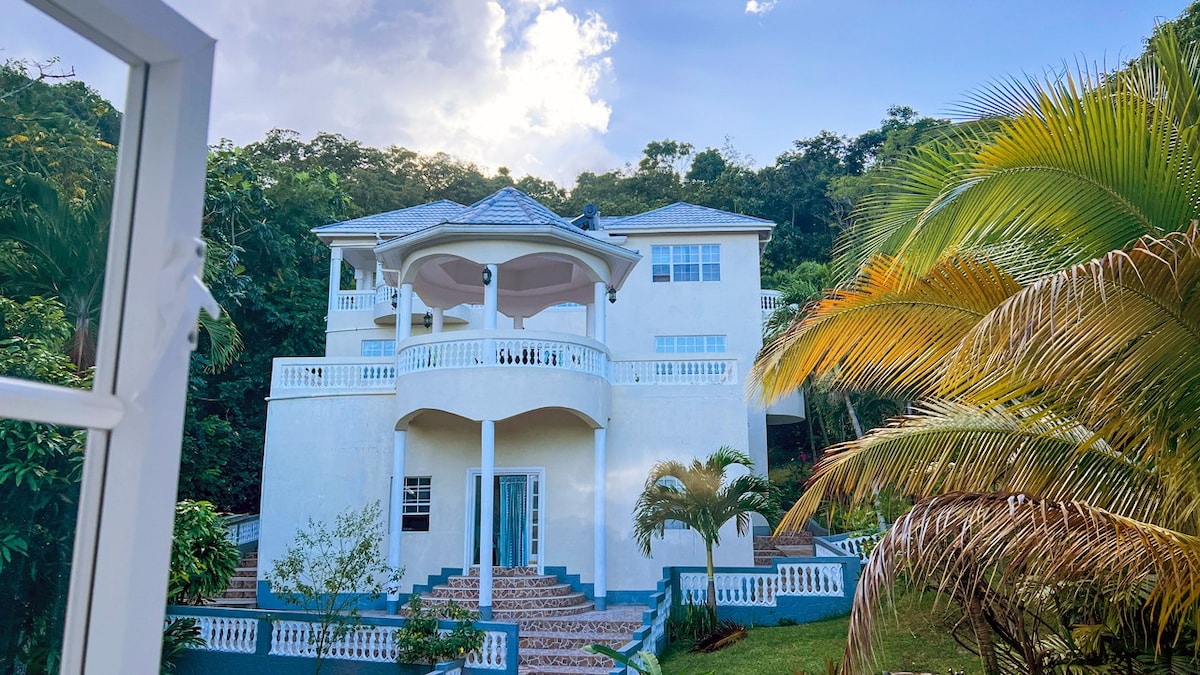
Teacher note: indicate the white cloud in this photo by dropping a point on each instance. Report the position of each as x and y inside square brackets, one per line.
[498, 82]
[757, 7]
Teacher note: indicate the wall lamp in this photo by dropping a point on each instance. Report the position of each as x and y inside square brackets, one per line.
[487, 275]
[612, 294]
[427, 320]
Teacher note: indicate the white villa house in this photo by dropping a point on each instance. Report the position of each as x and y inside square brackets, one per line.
[502, 379]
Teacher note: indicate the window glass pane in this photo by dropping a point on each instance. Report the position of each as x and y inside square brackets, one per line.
[378, 347]
[711, 272]
[687, 272]
[60, 127]
[660, 254]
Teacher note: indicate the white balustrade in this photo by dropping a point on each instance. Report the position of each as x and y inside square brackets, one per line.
[770, 301]
[353, 301]
[855, 546]
[675, 371]
[224, 633]
[502, 351]
[318, 376]
[386, 295]
[243, 531]
[375, 644]
[756, 589]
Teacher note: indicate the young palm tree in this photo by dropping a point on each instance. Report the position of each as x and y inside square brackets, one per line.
[1039, 289]
[703, 497]
[63, 249]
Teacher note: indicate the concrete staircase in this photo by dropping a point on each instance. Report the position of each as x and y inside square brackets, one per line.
[554, 619]
[243, 587]
[798, 544]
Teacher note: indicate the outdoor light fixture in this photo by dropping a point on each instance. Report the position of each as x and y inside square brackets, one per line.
[427, 321]
[487, 275]
[612, 294]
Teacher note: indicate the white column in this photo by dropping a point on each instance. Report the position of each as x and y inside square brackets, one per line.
[395, 514]
[378, 273]
[335, 276]
[404, 314]
[591, 319]
[601, 542]
[491, 300]
[487, 477]
[599, 330]
[439, 319]
[519, 322]
[358, 280]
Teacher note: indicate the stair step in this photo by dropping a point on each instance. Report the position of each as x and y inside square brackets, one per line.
[560, 640]
[536, 624]
[541, 612]
[508, 572]
[530, 581]
[458, 593]
[524, 602]
[234, 602]
[562, 670]
[564, 657]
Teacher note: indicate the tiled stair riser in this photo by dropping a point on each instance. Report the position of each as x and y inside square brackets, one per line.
[533, 581]
[501, 592]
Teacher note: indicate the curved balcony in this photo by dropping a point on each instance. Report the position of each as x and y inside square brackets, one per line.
[497, 374]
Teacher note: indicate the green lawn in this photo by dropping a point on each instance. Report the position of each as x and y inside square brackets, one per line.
[916, 638]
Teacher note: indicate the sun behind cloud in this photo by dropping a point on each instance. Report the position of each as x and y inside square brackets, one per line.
[497, 82]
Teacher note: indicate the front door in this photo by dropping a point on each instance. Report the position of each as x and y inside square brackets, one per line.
[516, 518]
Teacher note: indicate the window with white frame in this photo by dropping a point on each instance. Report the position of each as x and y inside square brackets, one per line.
[675, 484]
[689, 344]
[686, 262]
[378, 347]
[414, 516]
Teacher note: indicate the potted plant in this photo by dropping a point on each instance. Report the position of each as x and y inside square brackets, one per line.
[420, 640]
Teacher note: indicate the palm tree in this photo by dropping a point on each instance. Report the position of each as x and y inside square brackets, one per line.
[63, 248]
[703, 497]
[1040, 298]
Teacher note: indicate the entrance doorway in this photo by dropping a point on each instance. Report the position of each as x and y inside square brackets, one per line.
[516, 517]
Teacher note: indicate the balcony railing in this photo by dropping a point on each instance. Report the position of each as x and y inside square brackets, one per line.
[674, 371]
[770, 300]
[328, 376]
[503, 350]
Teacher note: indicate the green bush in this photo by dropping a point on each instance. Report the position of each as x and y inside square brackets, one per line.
[203, 560]
[420, 641]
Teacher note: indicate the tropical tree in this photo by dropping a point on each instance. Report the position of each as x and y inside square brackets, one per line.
[1038, 287]
[703, 496]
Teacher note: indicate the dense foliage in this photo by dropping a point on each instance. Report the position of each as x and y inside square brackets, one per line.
[421, 640]
[203, 560]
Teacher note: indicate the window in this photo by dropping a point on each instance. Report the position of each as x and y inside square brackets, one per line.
[675, 484]
[414, 515]
[693, 262]
[689, 344]
[378, 347]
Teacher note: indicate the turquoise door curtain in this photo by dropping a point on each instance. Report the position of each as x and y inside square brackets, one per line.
[513, 516]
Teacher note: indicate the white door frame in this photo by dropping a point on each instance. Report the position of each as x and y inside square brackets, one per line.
[469, 536]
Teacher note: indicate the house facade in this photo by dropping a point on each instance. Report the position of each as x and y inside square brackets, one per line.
[502, 379]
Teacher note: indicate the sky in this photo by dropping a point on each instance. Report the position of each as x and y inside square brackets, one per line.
[555, 87]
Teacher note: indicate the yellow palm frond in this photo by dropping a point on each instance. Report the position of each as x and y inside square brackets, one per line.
[951, 446]
[960, 543]
[890, 330]
[1114, 342]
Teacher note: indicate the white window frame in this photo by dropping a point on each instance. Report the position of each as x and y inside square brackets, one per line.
[686, 344]
[134, 412]
[387, 347]
[412, 505]
[670, 523]
[670, 262]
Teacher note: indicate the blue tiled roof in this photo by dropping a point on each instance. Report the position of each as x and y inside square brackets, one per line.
[400, 221]
[681, 214]
[508, 206]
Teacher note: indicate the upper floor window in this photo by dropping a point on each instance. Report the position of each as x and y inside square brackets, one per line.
[689, 344]
[677, 485]
[378, 347]
[690, 262]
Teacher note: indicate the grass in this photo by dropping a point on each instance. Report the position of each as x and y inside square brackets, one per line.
[915, 638]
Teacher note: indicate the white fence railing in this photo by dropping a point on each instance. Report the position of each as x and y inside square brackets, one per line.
[504, 351]
[353, 301]
[225, 634]
[769, 301]
[853, 546]
[374, 643]
[316, 376]
[756, 589]
[675, 371]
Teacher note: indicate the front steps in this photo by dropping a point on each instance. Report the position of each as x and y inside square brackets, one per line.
[798, 544]
[554, 620]
[243, 587]
[517, 593]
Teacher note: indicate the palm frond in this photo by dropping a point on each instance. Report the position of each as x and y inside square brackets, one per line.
[1115, 341]
[962, 542]
[890, 331]
[224, 340]
[951, 446]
